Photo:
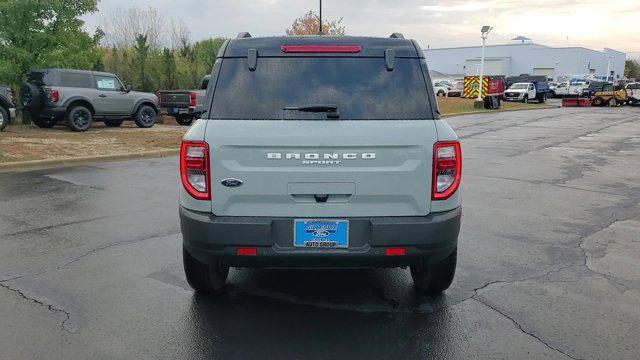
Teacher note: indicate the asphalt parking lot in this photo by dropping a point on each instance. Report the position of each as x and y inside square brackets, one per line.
[549, 262]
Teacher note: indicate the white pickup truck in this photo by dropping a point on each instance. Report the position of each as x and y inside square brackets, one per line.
[633, 93]
[569, 88]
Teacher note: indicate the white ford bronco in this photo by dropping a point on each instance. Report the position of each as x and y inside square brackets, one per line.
[320, 152]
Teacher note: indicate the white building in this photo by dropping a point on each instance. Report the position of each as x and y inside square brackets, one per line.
[523, 56]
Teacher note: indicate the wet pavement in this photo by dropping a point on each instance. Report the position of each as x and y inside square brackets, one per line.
[549, 262]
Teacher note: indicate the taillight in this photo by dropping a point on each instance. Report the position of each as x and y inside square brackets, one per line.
[53, 96]
[10, 95]
[159, 96]
[192, 99]
[194, 169]
[447, 169]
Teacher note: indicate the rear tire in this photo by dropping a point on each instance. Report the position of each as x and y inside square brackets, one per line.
[435, 278]
[113, 123]
[543, 98]
[44, 123]
[203, 278]
[79, 119]
[184, 120]
[4, 118]
[145, 117]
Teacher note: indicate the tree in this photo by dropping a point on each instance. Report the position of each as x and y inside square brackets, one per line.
[309, 24]
[44, 34]
[169, 68]
[141, 49]
[122, 27]
[206, 52]
[632, 69]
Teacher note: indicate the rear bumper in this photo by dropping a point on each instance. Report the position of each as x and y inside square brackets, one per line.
[179, 110]
[48, 113]
[214, 240]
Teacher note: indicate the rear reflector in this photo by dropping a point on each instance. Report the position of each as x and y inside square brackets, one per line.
[318, 49]
[247, 251]
[396, 251]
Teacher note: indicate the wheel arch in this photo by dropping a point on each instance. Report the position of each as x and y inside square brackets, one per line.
[80, 101]
[143, 102]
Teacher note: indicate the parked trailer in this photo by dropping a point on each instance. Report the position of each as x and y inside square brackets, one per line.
[491, 86]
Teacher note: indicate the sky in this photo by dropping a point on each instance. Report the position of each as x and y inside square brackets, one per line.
[593, 24]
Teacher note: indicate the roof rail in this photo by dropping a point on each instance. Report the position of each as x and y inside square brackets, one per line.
[243, 35]
[397, 35]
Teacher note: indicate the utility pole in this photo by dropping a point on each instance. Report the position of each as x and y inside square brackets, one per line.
[320, 30]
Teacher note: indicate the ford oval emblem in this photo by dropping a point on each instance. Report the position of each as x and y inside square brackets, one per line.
[232, 182]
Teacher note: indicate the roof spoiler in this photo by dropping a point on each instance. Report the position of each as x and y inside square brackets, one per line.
[243, 35]
[396, 35]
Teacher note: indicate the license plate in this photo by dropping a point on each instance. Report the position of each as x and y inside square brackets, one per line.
[323, 234]
[175, 110]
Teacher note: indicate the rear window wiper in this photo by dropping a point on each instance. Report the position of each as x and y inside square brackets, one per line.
[331, 110]
[313, 108]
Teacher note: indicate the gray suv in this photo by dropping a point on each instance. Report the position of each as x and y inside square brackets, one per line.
[320, 152]
[80, 97]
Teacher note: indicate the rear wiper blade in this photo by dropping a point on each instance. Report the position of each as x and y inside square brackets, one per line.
[313, 108]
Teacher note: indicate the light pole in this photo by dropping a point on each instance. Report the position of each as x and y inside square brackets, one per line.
[320, 32]
[485, 32]
[609, 66]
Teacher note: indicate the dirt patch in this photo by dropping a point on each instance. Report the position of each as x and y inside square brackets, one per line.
[28, 142]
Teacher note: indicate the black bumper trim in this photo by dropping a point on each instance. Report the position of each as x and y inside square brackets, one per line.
[214, 240]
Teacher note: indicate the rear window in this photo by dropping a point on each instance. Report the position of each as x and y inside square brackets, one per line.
[43, 77]
[361, 89]
[77, 80]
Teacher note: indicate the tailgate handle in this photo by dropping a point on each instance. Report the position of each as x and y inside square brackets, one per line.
[321, 198]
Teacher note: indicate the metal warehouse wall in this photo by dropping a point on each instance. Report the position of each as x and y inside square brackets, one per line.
[523, 58]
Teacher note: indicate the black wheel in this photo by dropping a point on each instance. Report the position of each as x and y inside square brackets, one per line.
[552, 94]
[525, 99]
[543, 98]
[79, 118]
[598, 101]
[441, 93]
[4, 118]
[184, 120]
[145, 117]
[203, 278]
[436, 278]
[31, 96]
[44, 123]
[113, 123]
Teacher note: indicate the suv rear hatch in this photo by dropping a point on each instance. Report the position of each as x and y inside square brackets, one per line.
[322, 134]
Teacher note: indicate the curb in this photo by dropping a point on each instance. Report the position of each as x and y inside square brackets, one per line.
[55, 163]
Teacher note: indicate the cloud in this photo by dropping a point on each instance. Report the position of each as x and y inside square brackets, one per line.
[434, 23]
